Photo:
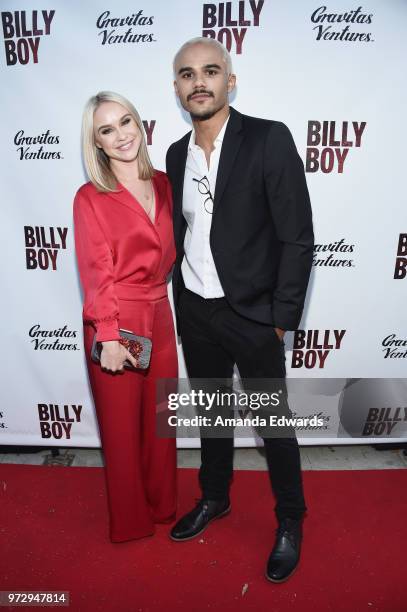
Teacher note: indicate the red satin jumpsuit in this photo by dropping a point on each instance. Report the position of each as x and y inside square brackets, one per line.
[123, 260]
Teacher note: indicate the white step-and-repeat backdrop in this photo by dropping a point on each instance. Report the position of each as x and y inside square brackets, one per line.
[333, 72]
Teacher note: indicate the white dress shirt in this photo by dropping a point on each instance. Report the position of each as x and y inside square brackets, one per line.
[198, 268]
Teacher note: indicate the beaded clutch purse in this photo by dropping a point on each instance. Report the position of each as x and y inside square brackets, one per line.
[139, 346]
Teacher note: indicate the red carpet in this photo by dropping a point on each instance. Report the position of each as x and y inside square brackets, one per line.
[53, 534]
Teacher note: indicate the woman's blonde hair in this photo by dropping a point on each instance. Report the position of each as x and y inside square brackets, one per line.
[95, 159]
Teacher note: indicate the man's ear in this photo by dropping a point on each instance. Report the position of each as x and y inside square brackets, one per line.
[176, 88]
[231, 82]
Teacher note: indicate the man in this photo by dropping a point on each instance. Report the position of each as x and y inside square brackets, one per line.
[243, 232]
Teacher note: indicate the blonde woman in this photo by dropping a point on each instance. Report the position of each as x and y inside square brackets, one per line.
[125, 250]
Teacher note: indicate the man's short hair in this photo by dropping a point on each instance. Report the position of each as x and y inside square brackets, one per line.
[204, 40]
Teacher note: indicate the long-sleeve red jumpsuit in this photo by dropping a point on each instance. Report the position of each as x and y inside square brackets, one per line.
[124, 259]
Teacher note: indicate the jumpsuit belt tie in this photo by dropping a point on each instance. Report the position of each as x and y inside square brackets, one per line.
[150, 292]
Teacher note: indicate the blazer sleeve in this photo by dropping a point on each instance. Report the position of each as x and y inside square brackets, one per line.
[95, 264]
[292, 217]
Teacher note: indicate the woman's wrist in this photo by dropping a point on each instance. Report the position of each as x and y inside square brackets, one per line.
[107, 330]
[110, 344]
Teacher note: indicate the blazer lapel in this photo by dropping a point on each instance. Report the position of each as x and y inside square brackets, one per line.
[178, 185]
[231, 143]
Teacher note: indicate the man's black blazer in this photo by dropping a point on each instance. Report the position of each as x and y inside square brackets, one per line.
[261, 235]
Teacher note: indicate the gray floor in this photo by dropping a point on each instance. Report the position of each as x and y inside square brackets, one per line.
[342, 457]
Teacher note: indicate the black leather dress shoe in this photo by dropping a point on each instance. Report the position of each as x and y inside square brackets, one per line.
[196, 521]
[285, 555]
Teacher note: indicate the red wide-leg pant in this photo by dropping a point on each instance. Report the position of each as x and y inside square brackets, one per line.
[140, 468]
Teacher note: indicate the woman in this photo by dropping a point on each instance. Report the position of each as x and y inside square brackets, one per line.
[125, 249]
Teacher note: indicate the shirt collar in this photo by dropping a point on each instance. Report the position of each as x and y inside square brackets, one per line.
[218, 139]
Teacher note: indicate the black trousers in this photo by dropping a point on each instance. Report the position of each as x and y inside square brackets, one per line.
[214, 338]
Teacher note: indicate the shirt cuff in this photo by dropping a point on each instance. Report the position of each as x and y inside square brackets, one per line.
[107, 330]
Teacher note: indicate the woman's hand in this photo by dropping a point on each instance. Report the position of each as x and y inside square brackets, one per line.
[114, 355]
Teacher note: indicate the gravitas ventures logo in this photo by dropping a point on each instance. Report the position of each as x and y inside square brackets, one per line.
[344, 27]
[59, 339]
[134, 28]
[334, 254]
[394, 347]
[35, 147]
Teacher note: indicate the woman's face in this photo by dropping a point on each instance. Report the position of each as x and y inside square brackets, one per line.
[116, 132]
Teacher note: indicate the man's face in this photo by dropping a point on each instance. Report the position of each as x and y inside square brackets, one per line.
[201, 81]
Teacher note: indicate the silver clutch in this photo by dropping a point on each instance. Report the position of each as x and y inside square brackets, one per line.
[138, 346]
